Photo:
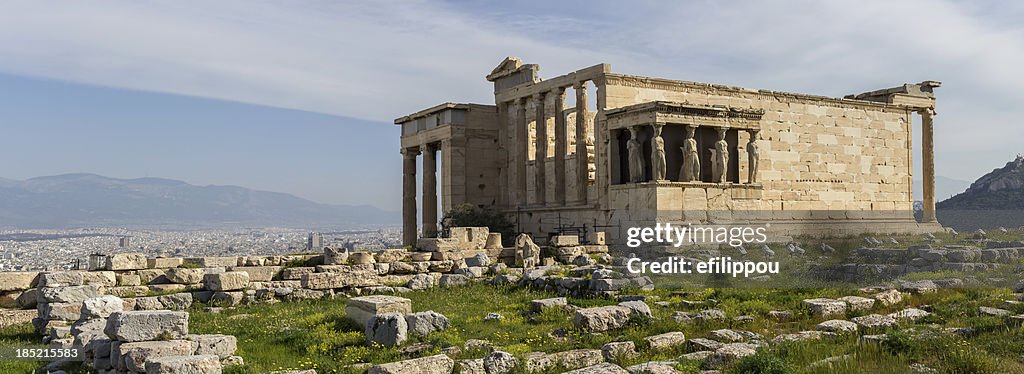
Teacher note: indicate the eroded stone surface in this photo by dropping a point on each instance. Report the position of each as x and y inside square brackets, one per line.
[134, 326]
[437, 364]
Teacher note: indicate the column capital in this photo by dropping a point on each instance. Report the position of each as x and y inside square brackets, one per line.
[558, 91]
[410, 152]
[927, 112]
[539, 96]
[581, 85]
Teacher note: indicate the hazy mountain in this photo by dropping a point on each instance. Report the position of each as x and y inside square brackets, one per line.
[944, 187]
[1003, 188]
[89, 200]
[995, 199]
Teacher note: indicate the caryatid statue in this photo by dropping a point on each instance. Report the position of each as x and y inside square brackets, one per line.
[753, 156]
[636, 158]
[721, 158]
[658, 166]
[691, 162]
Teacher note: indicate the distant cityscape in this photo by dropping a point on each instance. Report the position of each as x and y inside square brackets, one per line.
[69, 249]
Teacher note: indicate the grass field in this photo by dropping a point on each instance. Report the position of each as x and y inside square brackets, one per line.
[316, 334]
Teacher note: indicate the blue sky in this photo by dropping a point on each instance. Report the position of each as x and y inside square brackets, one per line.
[298, 96]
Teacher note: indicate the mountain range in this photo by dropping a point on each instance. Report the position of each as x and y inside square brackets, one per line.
[90, 200]
[996, 199]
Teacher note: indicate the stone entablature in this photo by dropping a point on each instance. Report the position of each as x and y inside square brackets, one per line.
[684, 114]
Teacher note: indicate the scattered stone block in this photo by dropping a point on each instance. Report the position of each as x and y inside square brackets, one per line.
[538, 306]
[258, 273]
[227, 281]
[565, 241]
[500, 362]
[920, 287]
[654, 367]
[666, 340]
[480, 259]
[361, 258]
[838, 326]
[424, 323]
[599, 319]
[222, 346]
[184, 275]
[18, 280]
[889, 297]
[71, 294]
[909, 314]
[60, 279]
[361, 309]
[420, 282]
[153, 276]
[453, 280]
[702, 344]
[572, 359]
[133, 356]
[872, 321]
[335, 256]
[726, 335]
[605, 368]
[475, 366]
[229, 298]
[28, 299]
[709, 315]
[165, 262]
[127, 261]
[60, 311]
[296, 273]
[205, 364]
[437, 364]
[697, 356]
[729, 353]
[178, 301]
[135, 326]
[212, 262]
[996, 312]
[354, 277]
[857, 303]
[825, 307]
[101, 307]
[618, 350]
[638, 309]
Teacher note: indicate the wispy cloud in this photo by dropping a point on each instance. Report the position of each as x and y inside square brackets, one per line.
[380, 60]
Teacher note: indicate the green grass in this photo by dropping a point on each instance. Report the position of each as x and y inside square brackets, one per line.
[315, 334]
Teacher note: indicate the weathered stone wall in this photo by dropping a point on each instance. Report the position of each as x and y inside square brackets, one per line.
[818, 153]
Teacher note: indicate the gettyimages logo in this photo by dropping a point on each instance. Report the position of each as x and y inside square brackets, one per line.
[677, 236]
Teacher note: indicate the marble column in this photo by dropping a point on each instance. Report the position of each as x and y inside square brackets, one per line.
[409, 196]
[429, 191]
[540, 186]
[560, 144]
[582, 158]
[928, 164]
[521, 149]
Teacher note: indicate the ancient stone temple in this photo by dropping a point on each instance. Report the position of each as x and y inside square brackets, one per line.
[603, 151]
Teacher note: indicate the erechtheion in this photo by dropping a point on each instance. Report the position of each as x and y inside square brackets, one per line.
[631, 151]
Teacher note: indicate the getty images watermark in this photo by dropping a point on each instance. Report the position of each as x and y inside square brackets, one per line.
[678, 236]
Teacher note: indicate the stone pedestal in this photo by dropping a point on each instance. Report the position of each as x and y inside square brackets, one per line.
[360, 309]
